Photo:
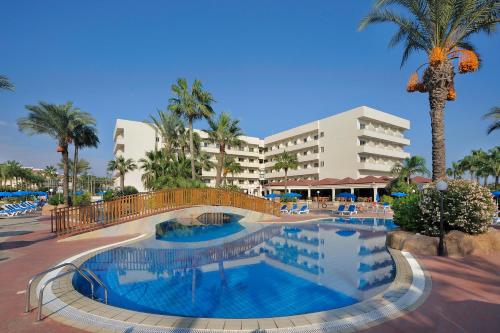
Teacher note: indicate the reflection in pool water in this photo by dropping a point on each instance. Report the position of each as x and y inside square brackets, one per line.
[213, 225]
[273, 270]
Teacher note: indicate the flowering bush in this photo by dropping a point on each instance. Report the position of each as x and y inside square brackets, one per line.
[467, 207]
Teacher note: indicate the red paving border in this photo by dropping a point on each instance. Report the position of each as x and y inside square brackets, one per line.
[465, 294]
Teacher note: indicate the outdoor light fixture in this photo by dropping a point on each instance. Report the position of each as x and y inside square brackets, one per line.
[441, 186]
[317, 198]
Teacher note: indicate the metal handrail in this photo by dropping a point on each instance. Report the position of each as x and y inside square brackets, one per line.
[99, 282]
[75, 268]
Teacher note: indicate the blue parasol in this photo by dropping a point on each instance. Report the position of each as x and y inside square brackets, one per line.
[346, 195]
[292, 195]
[398, 194]
[496, 194]
[271, 196]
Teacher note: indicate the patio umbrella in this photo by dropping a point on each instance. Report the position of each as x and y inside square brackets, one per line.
[496, 194]
[398, 194]
[271, 196]
[292, 195]
[346, 195]
[345, 233]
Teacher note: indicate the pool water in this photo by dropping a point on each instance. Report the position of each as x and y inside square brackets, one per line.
[212, 226]
[267, 270]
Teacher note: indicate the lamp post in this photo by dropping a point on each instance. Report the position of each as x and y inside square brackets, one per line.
[317, 197]
[441, 186]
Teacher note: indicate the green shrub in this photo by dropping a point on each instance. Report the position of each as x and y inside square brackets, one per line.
[127, 190]
[55, 200]
[387, 198]
[407, 212]
[108, 195]
[467, 206]
[83, 199]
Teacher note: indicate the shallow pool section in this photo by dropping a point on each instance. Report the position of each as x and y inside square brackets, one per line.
[270, 271]
[205, 227]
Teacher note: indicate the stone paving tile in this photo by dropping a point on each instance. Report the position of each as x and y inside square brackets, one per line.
[216, 324]
[249, 324]
[266, 323]
[283, 322]
[183, 322]
[151, 320]
[167, 321]
[232, 324]
[137, 318]
[199, 323]
[299, 321]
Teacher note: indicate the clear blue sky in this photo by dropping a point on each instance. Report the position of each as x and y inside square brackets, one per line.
[271, 64]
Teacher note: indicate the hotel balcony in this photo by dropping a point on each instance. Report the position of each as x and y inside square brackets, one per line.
[383, 136]
[383, 152]
[119, 148]
[292, 148]
[294, 173]
[375, 166]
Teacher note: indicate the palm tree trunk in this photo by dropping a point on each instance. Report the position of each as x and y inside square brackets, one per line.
[122, 181]
[437, 80]
[286, 180]
[65, 158]
[222, 151]
[75, 176]
[496, 181]
[191, 149]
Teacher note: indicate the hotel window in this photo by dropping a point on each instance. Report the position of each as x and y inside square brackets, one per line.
[251, 150]
[322, 149]
[362, 126]
[294, 142]
[241, 181]
[252, 181]
[241, 159]
[322, 163]
[322, 134]
[251, 160]
[251, 170]
[315, 150]
[316, 165]
[205, 144]
[316, 137]
[362, 159]
[157, 139]
[304, 153]
[362, 142]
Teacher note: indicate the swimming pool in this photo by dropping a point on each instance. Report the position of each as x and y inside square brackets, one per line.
[266, 271]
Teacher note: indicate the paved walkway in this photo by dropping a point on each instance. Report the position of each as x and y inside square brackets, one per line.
[465, 295]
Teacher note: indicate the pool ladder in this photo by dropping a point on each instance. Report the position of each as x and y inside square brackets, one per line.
[73, 268]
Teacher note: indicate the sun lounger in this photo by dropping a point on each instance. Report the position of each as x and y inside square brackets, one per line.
[303, 210]
[8, 212]
[339, 210]
[351, 210]
[284, 209]
[294, 209]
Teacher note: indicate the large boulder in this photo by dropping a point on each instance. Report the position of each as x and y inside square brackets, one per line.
[421, 244]
[457, 243]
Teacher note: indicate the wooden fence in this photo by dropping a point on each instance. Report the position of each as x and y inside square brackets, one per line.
[73, 220]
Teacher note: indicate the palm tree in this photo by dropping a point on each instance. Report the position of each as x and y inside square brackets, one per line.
[192, 104]
[154, 166]
[455, 170]
[75, 169]
[59, 122]
[84, 135]
[408, 167]
[5, 83]
[286, 161]
[13, 170]
[170, 126]
[231, 166]
[441, 29]
[494, 115]
[203, 162]
[223, 132]
[122, 166]
[494, 163]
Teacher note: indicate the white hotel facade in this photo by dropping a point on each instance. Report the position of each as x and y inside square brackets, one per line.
[357, 143]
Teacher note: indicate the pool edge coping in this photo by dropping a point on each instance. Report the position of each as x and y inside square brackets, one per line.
[408, 291]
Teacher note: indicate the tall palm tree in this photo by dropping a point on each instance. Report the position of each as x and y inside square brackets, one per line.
[85, 135]
[231, 166]
[122, 166]
[154, 166]
[192, 104]
[169, 126]
[5, 83]
[455, 171]
[494, 115]
[286, 161]
[441, 29]
[223, 132]
[494, 163]
[59, 122]
[409, 167]
[13, 171]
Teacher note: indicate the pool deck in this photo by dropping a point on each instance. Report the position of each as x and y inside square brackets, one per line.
[465, 295]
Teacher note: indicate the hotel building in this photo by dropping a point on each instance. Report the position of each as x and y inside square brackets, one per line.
[355, 144]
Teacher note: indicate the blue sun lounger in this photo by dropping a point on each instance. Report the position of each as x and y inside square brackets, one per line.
[339, 210]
